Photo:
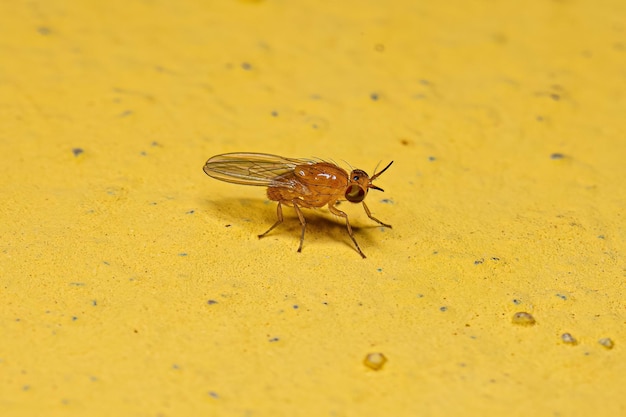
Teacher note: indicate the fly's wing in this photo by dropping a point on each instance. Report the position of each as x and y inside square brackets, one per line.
[253, 168]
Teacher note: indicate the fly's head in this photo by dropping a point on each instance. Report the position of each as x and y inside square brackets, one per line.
[359, 184]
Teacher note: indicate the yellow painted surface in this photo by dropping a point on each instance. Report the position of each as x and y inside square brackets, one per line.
[133, 284]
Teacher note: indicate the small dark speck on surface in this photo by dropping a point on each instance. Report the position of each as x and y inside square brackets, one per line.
[555, 97]
[246, 66]
[517, 301]
[432, 158]
[94, 303]
[539, 118]
[228, 225]
[77, 151]
[557, 155]
[213, 394]
[274, 339]
[175, 366]
[601, 237]
[443, 309]
[211, 302]
[478, 261]
[374, 96]
[387, 201]
[190, 212]
[561, 296]
[126, 113]
[44, 30]
[74, 318]
[495, 258]
[619, 46]
[106, 263]
[379, 47]
[154, 143]
[295, 306]
[420, 295]
[274, 113]
[182, 254]
[77, 284]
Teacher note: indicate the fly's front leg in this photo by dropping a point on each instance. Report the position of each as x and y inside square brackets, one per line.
[369, 214]
[340, 213]
[279, 214]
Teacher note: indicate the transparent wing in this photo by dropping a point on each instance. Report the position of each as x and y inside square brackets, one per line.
[253, 168]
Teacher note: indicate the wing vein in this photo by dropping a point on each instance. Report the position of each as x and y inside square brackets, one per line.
[258, 169]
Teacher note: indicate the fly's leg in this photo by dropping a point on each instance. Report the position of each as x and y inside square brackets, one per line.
[340, 213]
[369, 214]
[279, 214]
[302, 222]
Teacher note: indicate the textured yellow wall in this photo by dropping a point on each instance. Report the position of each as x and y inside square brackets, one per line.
[133, 284]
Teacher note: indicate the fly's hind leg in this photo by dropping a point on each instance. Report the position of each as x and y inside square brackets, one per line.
[369, 214]
[340, 213]
[279, 214]
[302, 222]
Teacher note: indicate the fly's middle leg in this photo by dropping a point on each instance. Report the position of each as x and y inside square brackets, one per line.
[340, 213]
[279, 214]
[369, 214]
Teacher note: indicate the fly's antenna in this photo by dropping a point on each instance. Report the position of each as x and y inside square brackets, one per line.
[376, 167]
[373, 177]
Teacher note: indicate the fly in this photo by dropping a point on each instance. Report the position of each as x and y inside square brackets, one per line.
[298, 183]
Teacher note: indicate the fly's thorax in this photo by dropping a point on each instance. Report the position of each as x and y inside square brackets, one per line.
[310, 185]
[322, 178]
[323, 172]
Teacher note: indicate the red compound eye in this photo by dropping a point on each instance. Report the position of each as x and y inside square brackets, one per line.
[355, 194]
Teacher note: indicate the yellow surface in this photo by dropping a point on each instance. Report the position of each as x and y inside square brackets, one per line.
[124, 292]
